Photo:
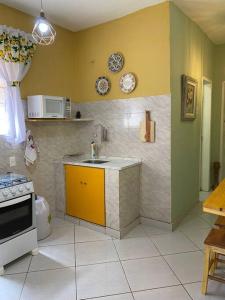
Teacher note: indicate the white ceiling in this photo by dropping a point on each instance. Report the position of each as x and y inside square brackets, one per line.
[208, 14]
[80, 14]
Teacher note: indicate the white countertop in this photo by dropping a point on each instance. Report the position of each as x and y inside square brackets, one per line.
[116, 163]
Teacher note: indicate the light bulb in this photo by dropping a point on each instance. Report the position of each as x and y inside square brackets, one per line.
[43, 33]
[43, 27]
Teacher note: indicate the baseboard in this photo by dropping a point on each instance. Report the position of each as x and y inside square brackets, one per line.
[92, 226]
[156, 223]
[116, 233]
[105, 230]
[86, 224]
[71, 219]
[203, 195]
[177, 222]
[113, 233]
[129, 227]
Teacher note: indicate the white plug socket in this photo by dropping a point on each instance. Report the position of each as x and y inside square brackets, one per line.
[12, 161]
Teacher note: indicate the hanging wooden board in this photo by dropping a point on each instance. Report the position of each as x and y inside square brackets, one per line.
[147, 129]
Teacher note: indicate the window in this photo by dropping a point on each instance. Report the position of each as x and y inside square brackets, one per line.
[3, 115]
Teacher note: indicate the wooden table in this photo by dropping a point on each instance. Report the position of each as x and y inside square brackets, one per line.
[214, 243]
[215, 203]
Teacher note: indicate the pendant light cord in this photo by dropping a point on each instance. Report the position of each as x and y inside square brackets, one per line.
[42, 5]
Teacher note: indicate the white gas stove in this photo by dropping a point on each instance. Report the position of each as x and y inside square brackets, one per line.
[18, 233]
[14, 185]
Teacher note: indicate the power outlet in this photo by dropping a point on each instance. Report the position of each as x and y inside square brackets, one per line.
[12, 161]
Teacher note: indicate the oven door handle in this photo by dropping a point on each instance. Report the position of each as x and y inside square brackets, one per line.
[14, 201]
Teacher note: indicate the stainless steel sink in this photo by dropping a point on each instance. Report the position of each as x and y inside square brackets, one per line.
[95, 161]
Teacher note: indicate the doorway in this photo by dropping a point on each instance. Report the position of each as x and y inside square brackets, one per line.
[205, 185]
[222, 135]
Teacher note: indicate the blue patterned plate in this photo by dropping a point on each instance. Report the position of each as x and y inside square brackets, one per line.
[116, 62]
[102, 85]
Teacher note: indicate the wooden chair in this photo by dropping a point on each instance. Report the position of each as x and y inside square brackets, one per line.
[220, 222]
[214, 246]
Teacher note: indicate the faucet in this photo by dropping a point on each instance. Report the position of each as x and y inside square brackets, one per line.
[93, 150]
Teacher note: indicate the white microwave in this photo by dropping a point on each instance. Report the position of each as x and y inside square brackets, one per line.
[48, 107]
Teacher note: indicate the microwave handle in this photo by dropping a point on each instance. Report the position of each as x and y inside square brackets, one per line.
[14, 201]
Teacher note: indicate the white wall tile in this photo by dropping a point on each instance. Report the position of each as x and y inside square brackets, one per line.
[121, 118]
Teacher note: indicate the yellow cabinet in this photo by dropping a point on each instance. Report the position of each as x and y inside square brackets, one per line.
[85, 193]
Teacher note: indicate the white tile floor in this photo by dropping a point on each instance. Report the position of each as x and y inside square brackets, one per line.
[77, 263]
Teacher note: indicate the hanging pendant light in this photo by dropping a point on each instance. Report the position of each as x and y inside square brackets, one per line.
[43, 32]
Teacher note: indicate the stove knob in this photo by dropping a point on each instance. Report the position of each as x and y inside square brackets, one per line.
[27, 187]
[20, 189]
[5, 193]
[13, 191]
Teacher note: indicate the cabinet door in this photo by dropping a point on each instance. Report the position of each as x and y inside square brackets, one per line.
[85, 193]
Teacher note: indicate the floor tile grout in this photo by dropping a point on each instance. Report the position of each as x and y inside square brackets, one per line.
[183, 252]
[93, 241]
[20, 297]
[172, 269]
[149, 237]
[62, 244]
[55, 269]
[101, 263]
[43, 246]
[123, 269]
[183, 233]
[191, 240]
[75, 263]
[100, 297]
[144, 290]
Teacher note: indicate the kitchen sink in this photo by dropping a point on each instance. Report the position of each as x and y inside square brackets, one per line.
[95, 161]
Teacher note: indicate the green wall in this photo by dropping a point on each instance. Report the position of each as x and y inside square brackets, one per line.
[218, 78]
[191, 54]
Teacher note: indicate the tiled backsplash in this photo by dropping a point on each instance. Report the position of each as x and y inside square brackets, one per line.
[122, 119]
[54, 140]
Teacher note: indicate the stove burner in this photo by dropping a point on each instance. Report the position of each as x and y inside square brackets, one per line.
[11, 179]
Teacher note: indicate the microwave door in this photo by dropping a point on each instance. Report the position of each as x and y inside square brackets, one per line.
[53, 108]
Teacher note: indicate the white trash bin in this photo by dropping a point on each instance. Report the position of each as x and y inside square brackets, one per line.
[43, 218]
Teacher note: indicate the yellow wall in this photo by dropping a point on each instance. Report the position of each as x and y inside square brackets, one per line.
[53, 67]
[73, 63]
[142, 37]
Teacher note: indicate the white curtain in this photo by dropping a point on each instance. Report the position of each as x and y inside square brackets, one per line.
[16, 51]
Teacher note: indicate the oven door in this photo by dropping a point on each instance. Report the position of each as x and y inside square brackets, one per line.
[16, 217]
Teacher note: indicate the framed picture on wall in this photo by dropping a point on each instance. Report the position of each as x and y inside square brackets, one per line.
[188, 98]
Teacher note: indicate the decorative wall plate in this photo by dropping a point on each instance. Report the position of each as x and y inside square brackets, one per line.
[102, 85]
[128, 83]
[115, 62]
